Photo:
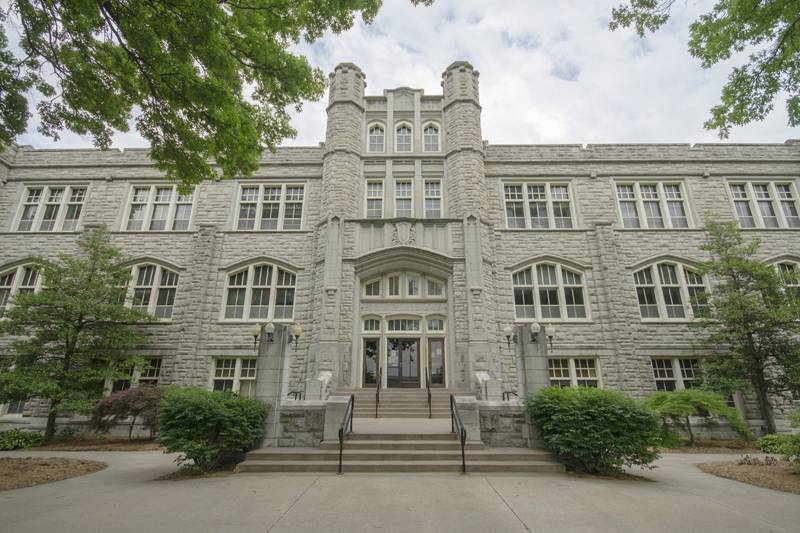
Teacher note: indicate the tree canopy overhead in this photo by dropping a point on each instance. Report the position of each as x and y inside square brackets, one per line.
[202, 79]
[768, 29]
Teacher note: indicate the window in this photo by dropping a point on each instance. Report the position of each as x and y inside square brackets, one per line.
[652, 205]
[402, 138]
[20, 280]
[153, 290]
[372, 324]
[14, 408]
[146, 376]
[435, 324]
[403, 324]
[158, 208]
[260, 292]
[405, 284]
[548, 291]
[430, 138]
[433, 199]
[376, 138]
[673, 291]
[270, 207]
[235, 374]
[538, 205]
[403, 199]
[51, 208]
[675, 373]
[573, 372]
[788, 272]
[374, 199]
[765, 204]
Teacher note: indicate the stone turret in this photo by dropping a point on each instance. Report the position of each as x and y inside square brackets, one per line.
[341, 172]
[464, 144]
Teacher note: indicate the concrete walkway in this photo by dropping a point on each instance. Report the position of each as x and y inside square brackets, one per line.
[124, 497]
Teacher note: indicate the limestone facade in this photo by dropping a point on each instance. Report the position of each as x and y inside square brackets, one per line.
[427, 201]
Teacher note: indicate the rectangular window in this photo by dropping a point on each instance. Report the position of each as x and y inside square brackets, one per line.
[374, 199]
[235, 374]
[652, 205]
[158, 208]
[403, 324]
[676, 373]
[538, 206]
[270, 207]
[394, 285]
[403, 199]
[51, 208]
[646, 293]
[573, 372]
[433, 199]
[150, 373]
[765, 204]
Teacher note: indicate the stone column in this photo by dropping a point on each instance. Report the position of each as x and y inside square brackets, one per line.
[269, 379]
[531, 356]
[335, 408]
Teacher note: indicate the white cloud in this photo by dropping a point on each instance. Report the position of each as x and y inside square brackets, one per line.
[550, 73]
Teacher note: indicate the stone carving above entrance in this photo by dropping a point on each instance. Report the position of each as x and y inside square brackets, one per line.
[403, 234]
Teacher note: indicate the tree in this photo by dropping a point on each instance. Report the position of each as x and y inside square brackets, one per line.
[130, 405]
[753, 324]
[679, 406]
[73, 335]
[209, 79]
[770, 30]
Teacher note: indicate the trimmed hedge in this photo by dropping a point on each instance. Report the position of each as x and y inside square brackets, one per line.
[19, 438]
[594, 430]
[209, 428]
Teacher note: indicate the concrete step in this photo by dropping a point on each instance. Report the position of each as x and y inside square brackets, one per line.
[413, 456]
[401, 415]
[401, 466]
[401, 445]
[446, 437]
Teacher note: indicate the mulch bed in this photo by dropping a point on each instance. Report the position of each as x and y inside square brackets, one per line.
[189, 473]
[716, 446]
[20, 472]
[780, 476]
[99, 445]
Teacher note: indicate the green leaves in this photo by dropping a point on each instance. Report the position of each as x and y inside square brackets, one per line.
[207, 80]
[769, 31]
[203, 425]
[593, 430]
[678, 406]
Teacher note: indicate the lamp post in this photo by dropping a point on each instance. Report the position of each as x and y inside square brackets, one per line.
[296, 331]
[549, 332]
[269, 330]
[508, 332]
[535, 329]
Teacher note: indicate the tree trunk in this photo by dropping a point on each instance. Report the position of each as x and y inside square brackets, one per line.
[766, 408]
[50, 429]
[130, 428]
[689, 431]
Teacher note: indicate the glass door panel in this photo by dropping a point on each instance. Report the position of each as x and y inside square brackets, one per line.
[402, 362]
[436, 362]
[370, 361]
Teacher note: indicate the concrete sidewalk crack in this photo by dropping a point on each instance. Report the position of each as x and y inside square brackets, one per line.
[299, 497]
[507, 505]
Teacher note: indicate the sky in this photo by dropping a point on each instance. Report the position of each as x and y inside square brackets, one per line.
[550, 73]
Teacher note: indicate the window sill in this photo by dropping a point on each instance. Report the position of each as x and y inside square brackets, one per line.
[620, 228]
[387, 220]
[395, 299]
[668, 320]
[769, 229]
[62, 232]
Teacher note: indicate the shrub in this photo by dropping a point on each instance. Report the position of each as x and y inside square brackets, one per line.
[206, 427]
[794, 419]
[595, 431]
[129, 406]
[679, 406]
[790, 448]
[18, 438]
[770, 443]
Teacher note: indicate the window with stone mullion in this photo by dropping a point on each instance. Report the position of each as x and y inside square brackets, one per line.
[788, 204]
[548, 291]
[674, 292]
[260, 292]
[661, 204]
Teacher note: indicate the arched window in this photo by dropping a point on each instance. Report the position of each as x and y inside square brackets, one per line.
[549, 292]
[430, 138]
[670, 291]
[153, 289]
[260, 292]
[20, 280]
[402, 138]
[376, 138]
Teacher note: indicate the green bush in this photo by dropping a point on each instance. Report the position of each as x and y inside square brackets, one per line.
[794, 419]
[770, 443]
[208, 427]
[19, 438]
[790, 448]
[595, 431]
[679, 406]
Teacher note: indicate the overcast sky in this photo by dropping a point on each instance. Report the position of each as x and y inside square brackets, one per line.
[551, 72]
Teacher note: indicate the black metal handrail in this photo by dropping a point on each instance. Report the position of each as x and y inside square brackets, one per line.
[297, 394]
[507, 395]
[458, 427]
[378, 390]
[428, 386]
[346, 427]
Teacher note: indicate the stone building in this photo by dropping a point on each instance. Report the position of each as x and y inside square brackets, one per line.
[407, 245]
